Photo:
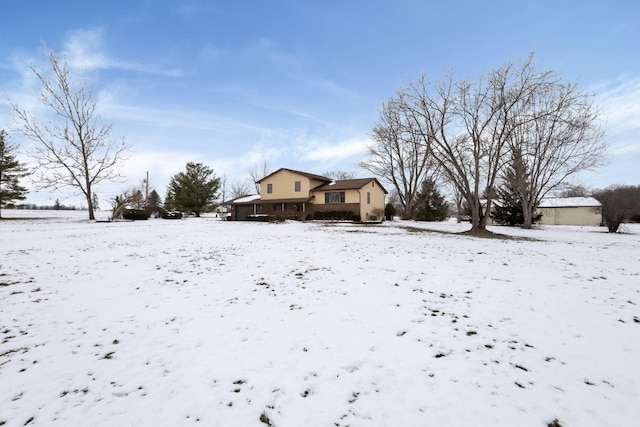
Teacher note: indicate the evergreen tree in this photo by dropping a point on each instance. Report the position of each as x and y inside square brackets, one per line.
[389, 211]
[11, 170]
[96, 201]
[193, 189]
[508, 208]
[430, 204]
[154, 200]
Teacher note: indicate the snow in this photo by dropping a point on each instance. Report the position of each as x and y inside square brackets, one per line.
[571, 202]
[219, 323]
[249, 198]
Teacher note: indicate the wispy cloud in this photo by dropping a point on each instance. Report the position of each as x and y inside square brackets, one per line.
[85, 50]
[621, 112]
[296, 65]
[326, 152]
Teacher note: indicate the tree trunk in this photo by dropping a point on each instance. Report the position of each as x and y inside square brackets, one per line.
[88, 194]
[92, 217]
[478, 218]
[527, 215]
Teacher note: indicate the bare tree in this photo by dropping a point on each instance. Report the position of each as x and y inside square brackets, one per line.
[458, 200]
[257, 174]
[619, 204]
[339, 175]
[223, 188]
[74, 147]
[399, 155]
[130, 198]
[574, 190]
[467, 126]
[556, 134]
[239, 188]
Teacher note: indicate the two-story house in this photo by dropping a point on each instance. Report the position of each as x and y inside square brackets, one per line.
[288, 193]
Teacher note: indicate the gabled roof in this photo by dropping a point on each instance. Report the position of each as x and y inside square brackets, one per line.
[308, 175]
[348, 184]
[569, 202]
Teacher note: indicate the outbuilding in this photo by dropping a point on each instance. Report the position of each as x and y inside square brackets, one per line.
[583, 211]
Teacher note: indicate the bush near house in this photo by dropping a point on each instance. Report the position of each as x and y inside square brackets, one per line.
[389, 211]
[260, 218]
[336, 216]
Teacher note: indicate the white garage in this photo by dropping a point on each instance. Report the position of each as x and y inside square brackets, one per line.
[570, 211]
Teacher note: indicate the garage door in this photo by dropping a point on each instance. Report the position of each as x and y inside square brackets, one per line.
[243, 211]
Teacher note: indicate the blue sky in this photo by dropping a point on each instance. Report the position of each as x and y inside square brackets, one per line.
[298, 83]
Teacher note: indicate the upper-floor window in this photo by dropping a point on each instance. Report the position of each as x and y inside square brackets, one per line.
[334, 197]
[298, 186]
[368, 197]
[269, 188]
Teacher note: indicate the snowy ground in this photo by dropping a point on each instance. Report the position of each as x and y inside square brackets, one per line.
[212, 323]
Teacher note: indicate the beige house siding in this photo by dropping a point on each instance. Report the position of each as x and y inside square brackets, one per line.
[581, 215]
[372, 205]
[369, 207]
[283, 185]
[350, 196]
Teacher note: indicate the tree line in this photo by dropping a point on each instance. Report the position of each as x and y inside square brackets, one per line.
[513, 126]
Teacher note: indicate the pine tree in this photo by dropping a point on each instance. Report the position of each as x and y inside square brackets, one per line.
[154, 200]
[430, 204]
[11, 170]
[508, 208]
[193, 189]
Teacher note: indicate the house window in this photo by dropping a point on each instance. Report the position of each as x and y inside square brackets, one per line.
[269, 188]
[298, 186]
[334, 197]
[368, 197]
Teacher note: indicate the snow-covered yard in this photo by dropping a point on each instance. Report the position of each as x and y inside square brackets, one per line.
[213, 323]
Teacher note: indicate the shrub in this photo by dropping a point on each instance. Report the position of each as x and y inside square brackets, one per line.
[259, 218]
[389, 211]
[135, 214]
[336, 216]
[171, 215]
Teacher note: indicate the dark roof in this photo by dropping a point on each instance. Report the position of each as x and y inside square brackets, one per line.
[348, 184]
[308, 175]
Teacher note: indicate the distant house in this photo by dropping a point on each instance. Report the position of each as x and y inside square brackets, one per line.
[287, 193]
[570, 211]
